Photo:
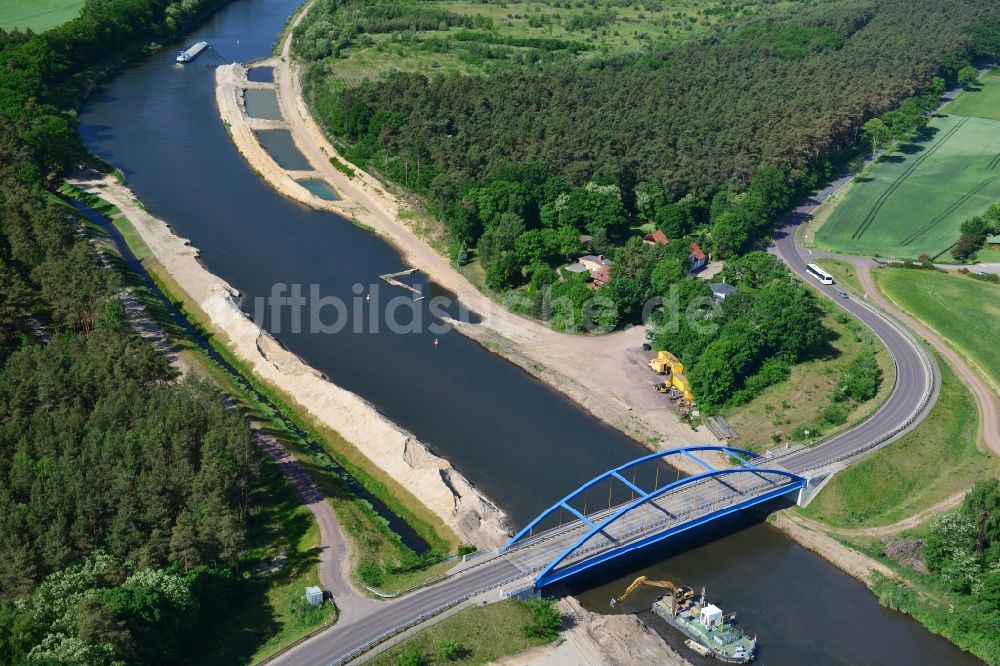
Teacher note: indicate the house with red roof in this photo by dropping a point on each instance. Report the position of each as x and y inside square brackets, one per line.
[656, 238]
[601, 276]
[698, 258]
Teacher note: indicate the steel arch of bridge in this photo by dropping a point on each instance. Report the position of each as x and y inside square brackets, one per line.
[548, 575]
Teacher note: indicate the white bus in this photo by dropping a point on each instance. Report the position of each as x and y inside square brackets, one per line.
[819, 274]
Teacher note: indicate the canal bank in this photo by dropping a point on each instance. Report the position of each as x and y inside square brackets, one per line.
[392, 450]
[596, 372]
[500, 428]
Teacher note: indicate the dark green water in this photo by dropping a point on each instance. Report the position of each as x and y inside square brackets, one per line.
[262, 103]
[279, 145]
[320, 188]
[517, 440]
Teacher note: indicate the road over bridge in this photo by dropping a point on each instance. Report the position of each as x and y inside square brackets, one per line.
[653, 512]
[547, 550]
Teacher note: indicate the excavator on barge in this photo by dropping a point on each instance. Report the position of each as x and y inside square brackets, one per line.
[709, 632]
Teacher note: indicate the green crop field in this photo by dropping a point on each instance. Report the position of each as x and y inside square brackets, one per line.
[982, 100]
[37, 15]
[914, 201]
[964, 311]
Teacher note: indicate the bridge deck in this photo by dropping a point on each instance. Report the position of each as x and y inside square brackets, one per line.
[677, 509]
[685, 506]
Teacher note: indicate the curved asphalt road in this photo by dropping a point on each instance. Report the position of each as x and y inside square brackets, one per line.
[915, 378]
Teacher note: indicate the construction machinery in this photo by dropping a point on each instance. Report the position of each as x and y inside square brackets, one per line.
[678, 592]
[680, 382]
[666, 363]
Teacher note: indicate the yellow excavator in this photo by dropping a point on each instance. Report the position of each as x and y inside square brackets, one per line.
[679, 592]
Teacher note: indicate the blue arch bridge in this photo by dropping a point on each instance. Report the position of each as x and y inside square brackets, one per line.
[638, 504]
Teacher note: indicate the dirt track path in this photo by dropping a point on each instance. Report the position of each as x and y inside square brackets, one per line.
[986, 398]
[334, 556]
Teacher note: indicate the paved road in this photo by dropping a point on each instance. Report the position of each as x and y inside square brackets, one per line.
[914, 377]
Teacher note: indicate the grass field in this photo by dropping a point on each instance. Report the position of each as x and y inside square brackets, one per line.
[914, 200]
[483, 634]
[936, 460]
[37, 15]
[782, 412]
[964, 311]
[594, 28]
[981, 101]
[844, 273]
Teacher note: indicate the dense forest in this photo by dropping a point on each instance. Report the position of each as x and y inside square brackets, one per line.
[124, 495]
[708, 141]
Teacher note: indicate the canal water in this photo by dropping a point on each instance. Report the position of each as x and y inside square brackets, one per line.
[522, 443]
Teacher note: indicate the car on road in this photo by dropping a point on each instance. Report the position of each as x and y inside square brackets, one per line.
[647, 347]
[843, 294]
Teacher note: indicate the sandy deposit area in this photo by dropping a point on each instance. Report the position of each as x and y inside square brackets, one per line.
[605, 374]
[599, 640]
[390, 448]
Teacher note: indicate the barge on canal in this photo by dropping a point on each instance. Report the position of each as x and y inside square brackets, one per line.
[706, 627]
[192, 53]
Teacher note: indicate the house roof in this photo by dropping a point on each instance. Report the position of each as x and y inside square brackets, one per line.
[696, 251]
[596, 259]
[601, 275]
[993, 239]
[722, 289]
[657, 237]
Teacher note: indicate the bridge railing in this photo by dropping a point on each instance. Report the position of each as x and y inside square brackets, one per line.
[679, 518]
[576, 524]
[614, 476]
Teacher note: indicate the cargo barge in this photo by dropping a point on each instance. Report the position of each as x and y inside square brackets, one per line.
[192, 53]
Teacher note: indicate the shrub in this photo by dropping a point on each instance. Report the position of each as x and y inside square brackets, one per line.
[860, 380]
[411, 656]
[448, 650]
[988, 277]
[341, 167]
[802, 434]
[371, 573]
[834, 415]
[545, 619]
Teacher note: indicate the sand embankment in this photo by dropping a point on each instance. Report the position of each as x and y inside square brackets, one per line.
[473, 517]
[604, 374]
[592, 639]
